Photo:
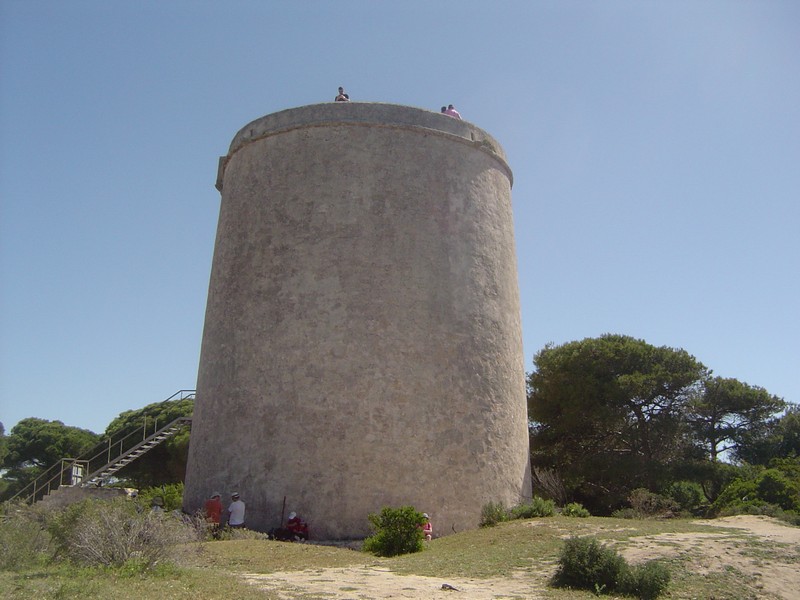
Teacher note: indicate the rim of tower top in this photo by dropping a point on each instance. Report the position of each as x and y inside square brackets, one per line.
[359, 114]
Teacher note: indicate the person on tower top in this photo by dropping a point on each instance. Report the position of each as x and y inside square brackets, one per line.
[451, 111]
[342, 96]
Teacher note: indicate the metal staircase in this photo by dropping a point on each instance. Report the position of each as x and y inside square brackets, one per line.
[100, 475]
[100, 463]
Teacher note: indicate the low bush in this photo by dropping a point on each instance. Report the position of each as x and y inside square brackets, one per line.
[759, 507]
[626, 513]
[171, 495]
[789, 516]
[688, 495]
[397, 531]
[228, 533]
[537, 507]
[768, 487]
[646, 581]
[23, 540]
[575, 509]
[493, 513]
[116, 532]
[586, 564]
[649, 504]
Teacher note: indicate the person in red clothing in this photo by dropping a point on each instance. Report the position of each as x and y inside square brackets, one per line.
[213, 509]
[297, 527]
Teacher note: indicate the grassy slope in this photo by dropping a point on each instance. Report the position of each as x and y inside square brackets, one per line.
[532, 546]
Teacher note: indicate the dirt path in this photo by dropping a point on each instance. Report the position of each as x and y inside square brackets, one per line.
[776, 572]
[369, 583]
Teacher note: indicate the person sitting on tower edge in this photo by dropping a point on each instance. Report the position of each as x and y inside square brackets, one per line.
[451, 110]
[342, 96]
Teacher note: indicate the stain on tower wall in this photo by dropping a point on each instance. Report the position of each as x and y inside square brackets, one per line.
[362, 344]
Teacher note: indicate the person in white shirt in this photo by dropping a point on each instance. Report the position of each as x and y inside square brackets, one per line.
[236, 512]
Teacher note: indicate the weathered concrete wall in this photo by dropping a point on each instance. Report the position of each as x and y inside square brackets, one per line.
[66, 495]
[362, 344]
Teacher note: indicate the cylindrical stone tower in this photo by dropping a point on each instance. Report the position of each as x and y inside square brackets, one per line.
[362, 344]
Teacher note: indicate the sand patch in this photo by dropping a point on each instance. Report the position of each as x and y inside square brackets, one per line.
[774, 568]
[371, 583]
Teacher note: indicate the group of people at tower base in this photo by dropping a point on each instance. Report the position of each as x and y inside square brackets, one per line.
[448, 110]
[218, 516]
[295, 530]
[232, 517]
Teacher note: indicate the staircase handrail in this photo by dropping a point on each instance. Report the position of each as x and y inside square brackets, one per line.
[45, 486]
[103, 447]
[183, 421]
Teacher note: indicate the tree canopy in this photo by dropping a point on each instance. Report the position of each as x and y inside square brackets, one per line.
[40, 443]
[3, 452]
[727, 414]
[607, 414]
[165, 463]
[614, 413]
[3, 443]
[780, 438]
[34, 444]
[156, 415]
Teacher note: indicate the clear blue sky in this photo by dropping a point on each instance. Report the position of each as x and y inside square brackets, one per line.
[655, 149]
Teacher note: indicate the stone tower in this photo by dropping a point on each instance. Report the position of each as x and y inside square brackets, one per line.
[362, 344]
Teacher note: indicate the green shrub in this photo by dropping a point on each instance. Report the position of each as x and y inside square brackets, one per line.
[646, 581]
[759, 507]
[171, 494]
[60, 525]
[586, 564]
[228, 533]
[749, 507]
[23, 541]
[776, 488]
[493, 513]
[626, 513]
[688, 496]
[768, 487]
[575, 509]
[790, 516]
[537, 507]
[650, 504]
[397, 531]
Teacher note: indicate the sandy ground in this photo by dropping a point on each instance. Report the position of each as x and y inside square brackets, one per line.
[776, 573]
